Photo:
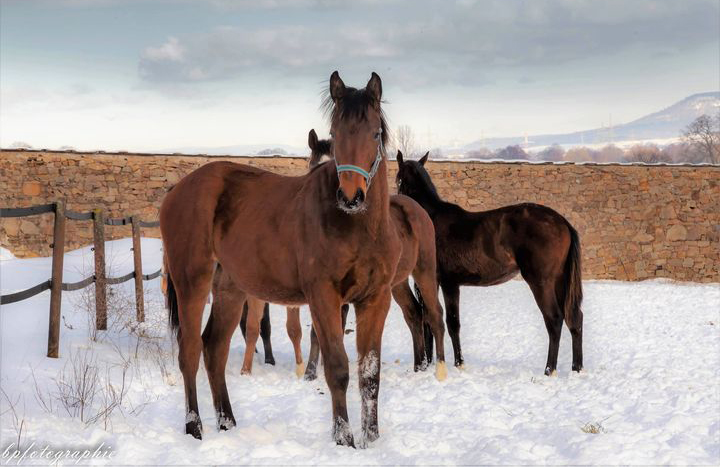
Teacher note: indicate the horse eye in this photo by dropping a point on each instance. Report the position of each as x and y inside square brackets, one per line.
[377, 136]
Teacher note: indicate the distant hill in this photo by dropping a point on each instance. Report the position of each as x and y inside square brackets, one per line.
[242, 150]
[667, 123]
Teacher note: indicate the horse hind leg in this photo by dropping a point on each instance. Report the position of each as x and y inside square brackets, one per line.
[546, 299]
[413, 317]
[255, 311]
[265, 331]
[294, 331]
[192, 292]
[426, 287]
[224, 317]
[451, 292]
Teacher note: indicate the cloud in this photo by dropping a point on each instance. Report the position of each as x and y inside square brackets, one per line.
[463, 43]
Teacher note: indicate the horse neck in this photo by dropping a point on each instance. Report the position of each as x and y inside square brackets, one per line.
[429, 200]
[378, 197]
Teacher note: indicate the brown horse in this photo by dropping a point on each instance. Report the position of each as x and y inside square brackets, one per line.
[417, 257]
[490, 247]
[325, 238]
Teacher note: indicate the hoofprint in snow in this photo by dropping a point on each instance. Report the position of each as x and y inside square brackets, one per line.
[650, 393]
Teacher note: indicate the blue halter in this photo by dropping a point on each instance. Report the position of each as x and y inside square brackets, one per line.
[368, 176]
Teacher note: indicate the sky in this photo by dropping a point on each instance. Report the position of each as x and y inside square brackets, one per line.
[167, 74]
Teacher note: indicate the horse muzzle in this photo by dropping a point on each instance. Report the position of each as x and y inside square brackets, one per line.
[354, 205]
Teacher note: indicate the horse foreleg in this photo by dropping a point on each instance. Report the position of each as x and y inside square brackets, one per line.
[370, 316]
[451, 292]
[327, 321]
[314, 357]
[254, 315]
[295, 334]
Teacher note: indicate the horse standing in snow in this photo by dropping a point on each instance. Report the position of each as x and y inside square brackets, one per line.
[333, 242]
[417, 258]
[490, 247]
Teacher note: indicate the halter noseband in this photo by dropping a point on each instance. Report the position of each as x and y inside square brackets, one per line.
[368, 176]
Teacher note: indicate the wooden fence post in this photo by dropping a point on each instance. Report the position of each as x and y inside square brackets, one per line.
[100, 277]
[137, 257]
[57, 277]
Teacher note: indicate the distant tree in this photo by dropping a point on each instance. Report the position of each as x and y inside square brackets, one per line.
[20, 145]
[67, 148]
[511, 153]
[704, 134]
[646, 153]
[580, 154]
[609, 153]
[682, 152]
[405, 141]
[552, 153]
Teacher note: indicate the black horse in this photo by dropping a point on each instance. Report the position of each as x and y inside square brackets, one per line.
[490, 247]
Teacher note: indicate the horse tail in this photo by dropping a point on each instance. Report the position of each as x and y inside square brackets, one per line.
[573, 293]
[170, 297]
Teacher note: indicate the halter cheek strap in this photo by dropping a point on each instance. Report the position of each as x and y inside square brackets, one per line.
[368, 176]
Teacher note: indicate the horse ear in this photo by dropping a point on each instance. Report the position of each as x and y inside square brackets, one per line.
[374, 87]
[337, 87]
[399, 157]
[424, 158]
[312, 139]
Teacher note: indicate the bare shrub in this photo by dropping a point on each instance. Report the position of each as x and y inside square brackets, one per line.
[552, 153]
[647, 154]
[85, 391]
[17, 419]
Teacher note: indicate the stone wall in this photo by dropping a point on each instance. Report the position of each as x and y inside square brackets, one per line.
[635, 222]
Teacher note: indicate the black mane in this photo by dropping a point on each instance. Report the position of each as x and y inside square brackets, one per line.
[354, 104]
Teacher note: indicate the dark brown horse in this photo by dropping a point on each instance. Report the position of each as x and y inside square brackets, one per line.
[417, 259]
[325, 238]
[490, 247]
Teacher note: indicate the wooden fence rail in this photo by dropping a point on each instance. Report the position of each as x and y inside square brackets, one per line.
[57, 286]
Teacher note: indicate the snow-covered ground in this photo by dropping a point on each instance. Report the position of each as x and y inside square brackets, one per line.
[650, 393]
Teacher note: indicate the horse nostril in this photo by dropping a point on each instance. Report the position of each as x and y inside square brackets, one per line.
[358, 198]
[340, 195]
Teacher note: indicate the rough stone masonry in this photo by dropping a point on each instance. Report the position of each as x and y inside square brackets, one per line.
[635, 221]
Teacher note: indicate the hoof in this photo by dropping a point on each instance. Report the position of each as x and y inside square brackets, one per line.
[441, 371]
[193, 425]
[246, 371]
[460, 364]
[578, 369]
[342, 434]
[225, 423]
[310, 372]
[300, 369]
[270, 360]
[549, 372]
[367, 439]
